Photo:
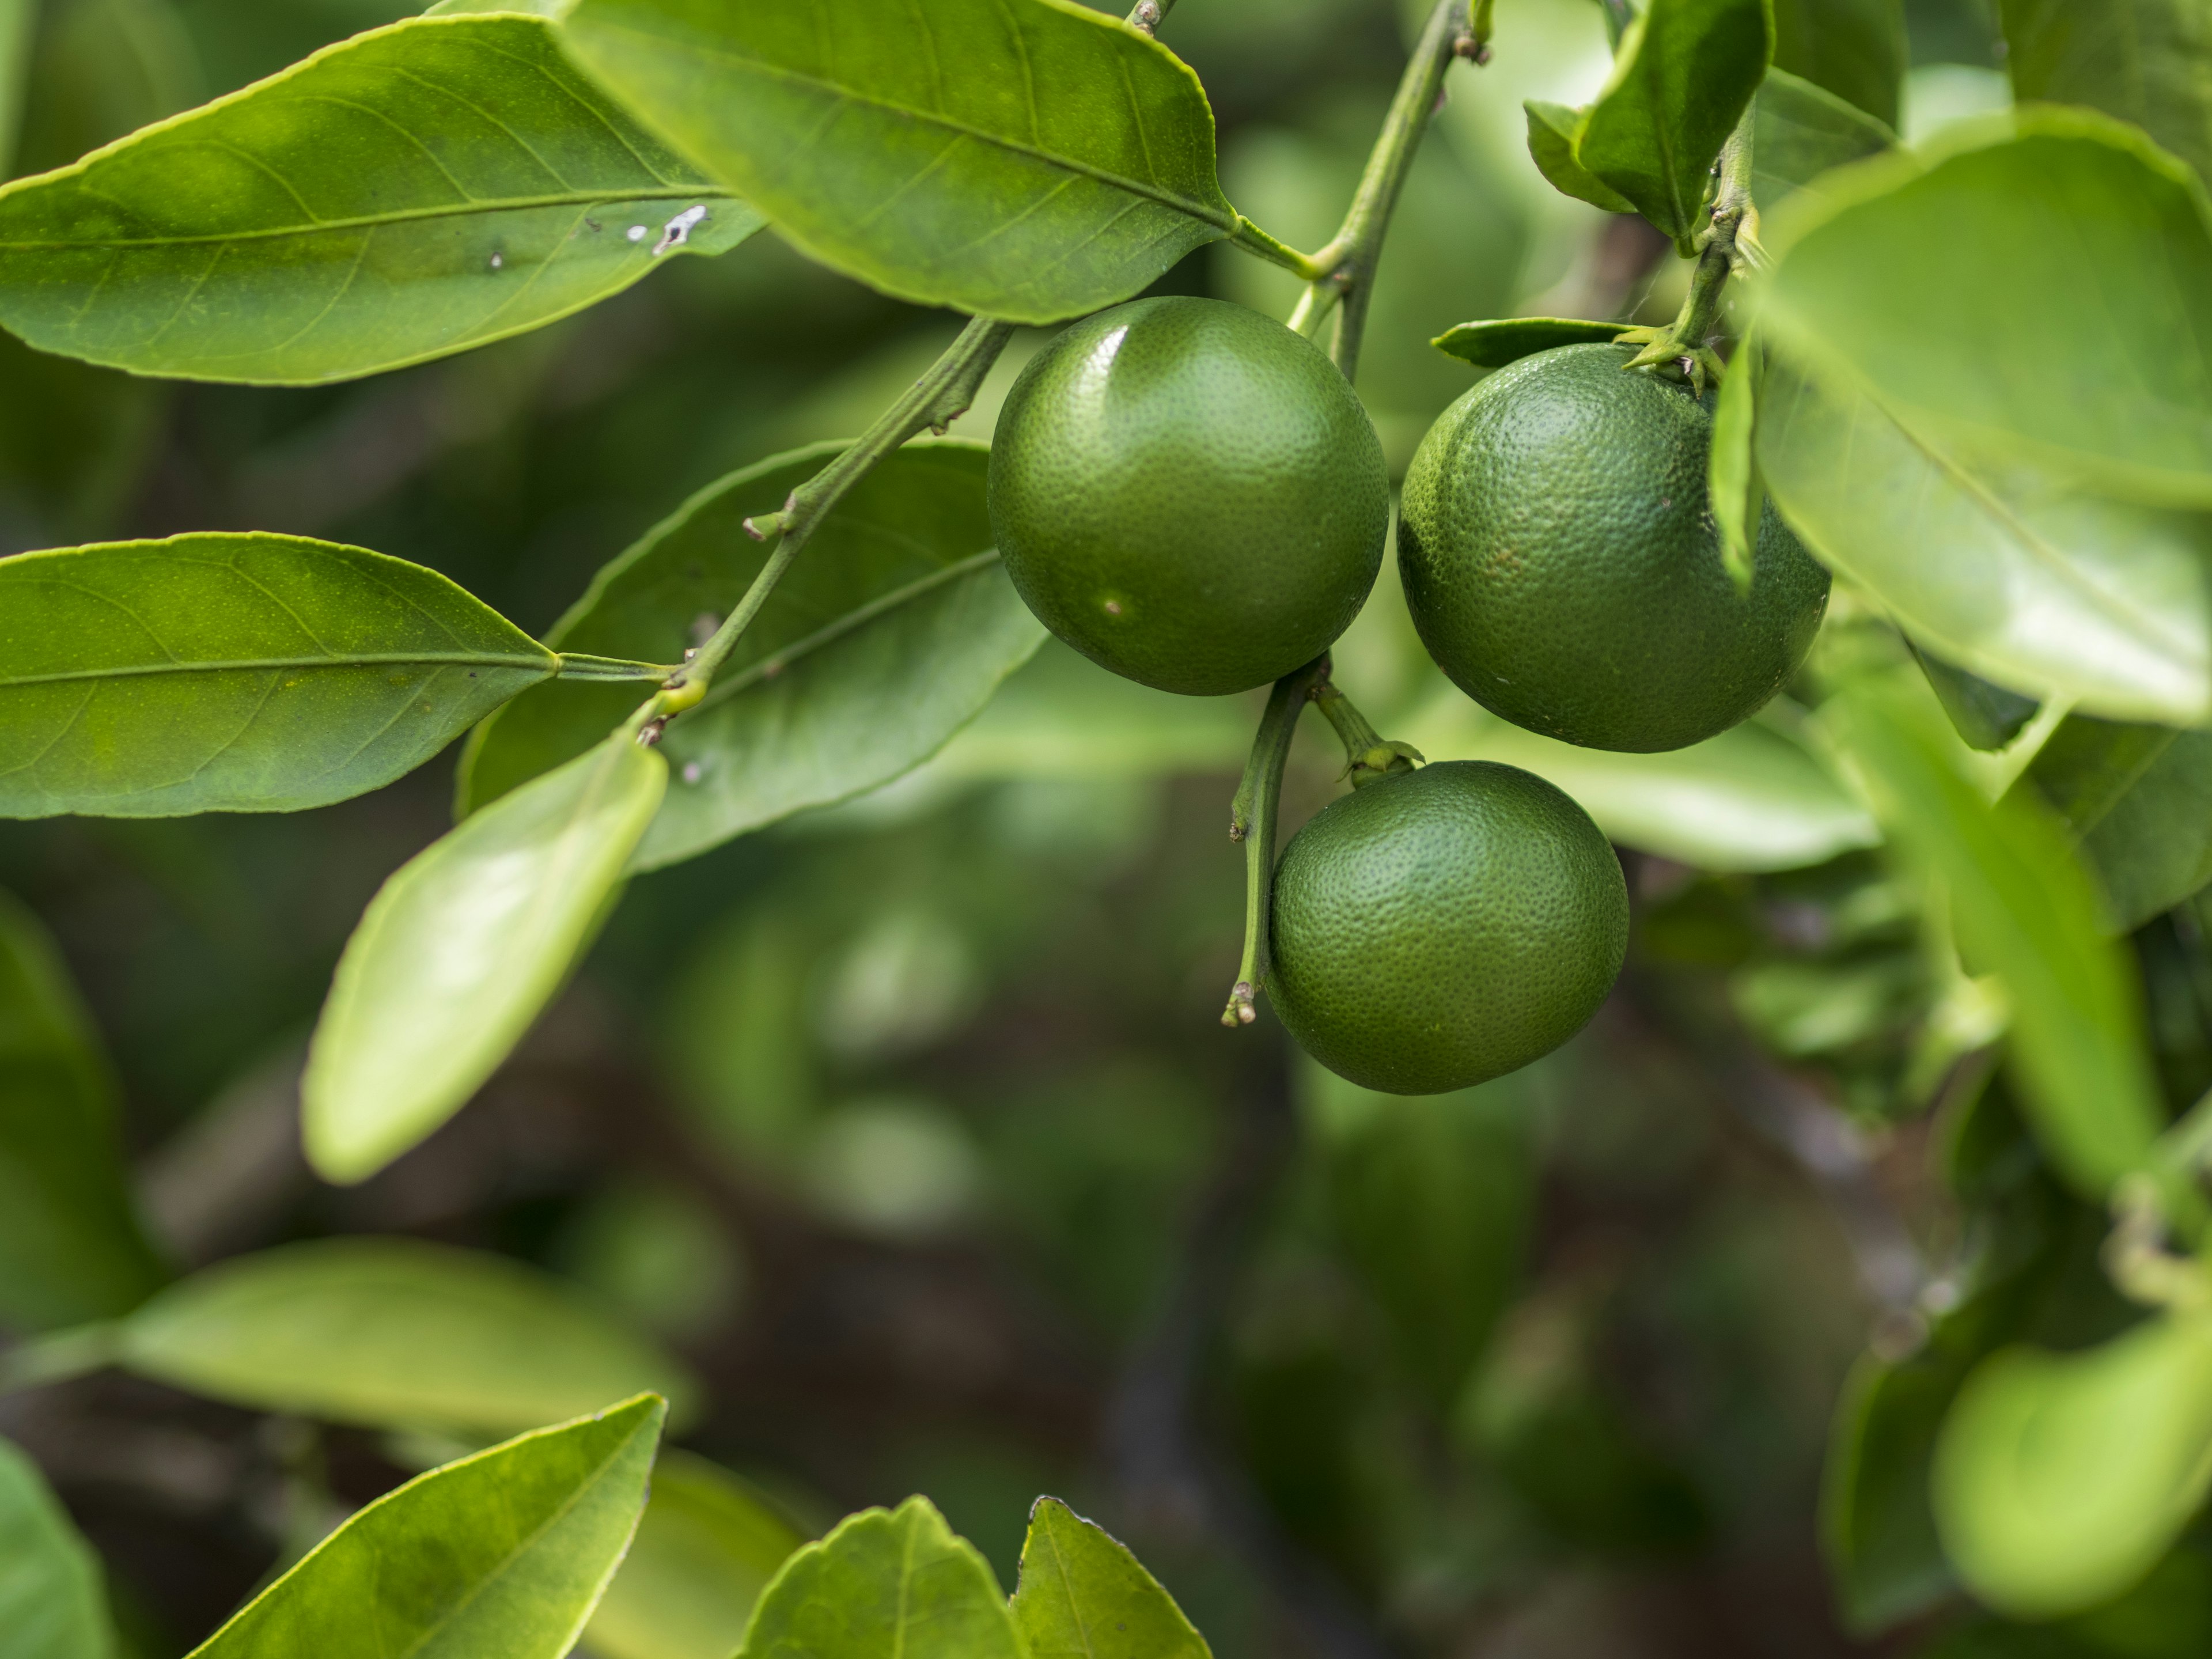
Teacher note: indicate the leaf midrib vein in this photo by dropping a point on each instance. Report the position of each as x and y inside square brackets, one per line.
[263, 664]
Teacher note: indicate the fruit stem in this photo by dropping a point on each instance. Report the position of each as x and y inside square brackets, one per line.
[1252, 814]
[1367, 754]
[931, 403]
[1147, 15]
[1728, 243]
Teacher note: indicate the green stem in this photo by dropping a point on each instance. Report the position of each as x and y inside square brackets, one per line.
[1252, 814]
[1367, 754]
[575, 666]
[1147, 15]
[1724, 246]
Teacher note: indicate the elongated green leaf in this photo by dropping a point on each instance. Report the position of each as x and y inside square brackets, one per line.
[1026, 159]
[1855, 49]
[52, 1602]
[2061, 304]
[1684, 73]
[416, 191]
[2023, 908]
[1552, 131]
[461, 950]
[502, 1553]
[886, 1584]
[2146, 61]
[1737, 492]
[2060, 1480]
[1083, 1595]
[1801, 131]
[893, 629]
[393, 1334]
[2140, 799]
[1508, 339]
[71, 1247]
[2001, 567]
[235, 673]
[707, 1546]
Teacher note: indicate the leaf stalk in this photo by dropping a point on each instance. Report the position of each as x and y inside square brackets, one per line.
[1728, 243]
[1252, 814]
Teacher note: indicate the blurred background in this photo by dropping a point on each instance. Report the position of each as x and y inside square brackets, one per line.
[910, 1122]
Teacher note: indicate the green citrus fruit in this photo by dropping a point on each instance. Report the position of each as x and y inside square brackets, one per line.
[1189, 494]
[1441, 928]
[1561, 563]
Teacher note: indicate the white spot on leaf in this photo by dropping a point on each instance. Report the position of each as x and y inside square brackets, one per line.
[636, 233]
[678, 231]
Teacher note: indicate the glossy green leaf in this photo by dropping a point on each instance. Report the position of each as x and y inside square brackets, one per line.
[706, 1545]
[393, 1334]
[2060, 1479]
[2140, 799]
[886, 1584]
[1684, 73]
[892, 629]
[1801, 131]
[1986, 717]
[1999, 567]
[500, 1554]
[1083, 1595]
[2022, 908]
[52, 1604]
[461, 950]
[2060, 307]
[1855, 49]
[1026, 159]
[1508, 339]
[2145, 61]
[238, 673]
[1552, 131]
[71, 1247]
[1737, 493]
[416, 191]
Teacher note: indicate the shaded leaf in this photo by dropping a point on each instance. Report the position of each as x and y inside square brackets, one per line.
[1999, 567]
[235, 673]
[1025, 159]
[416, 191]
[502, 1553]
[2145, 61]
[1552, 131]
[706, 1545]
[1508, 339]
[1733, 483]
[393, 1334]
[1801, 131]
[2140, 799]
[886, 1584]
[1986, 717]
[461, 950]
[71, 1247]
[1083, 1595]
[1855, 49]
[893, 627]
[53, 1605]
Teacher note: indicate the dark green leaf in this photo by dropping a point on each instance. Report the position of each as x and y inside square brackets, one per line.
[894, 627]
[1508, 339]
[503, 1553]
[53, 1605]
[2140, 799]
[393, 1334]
[1026, 159]
[1552, 131]
[416, 191]
[1684, 72]
[1986, 717]
[1799, 131]
[2146, 61]
[71, 1247]
[240, 673]
[886, 1584]
[1856, 49]
[461, 950]
[1083, 1595]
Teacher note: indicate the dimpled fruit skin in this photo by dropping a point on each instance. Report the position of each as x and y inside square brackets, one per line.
[1560, 560]
[1189, 494]
[1444, 926]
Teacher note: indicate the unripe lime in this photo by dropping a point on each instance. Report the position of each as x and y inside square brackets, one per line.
[1189, 494]
[1561, 563]
[1437, 928]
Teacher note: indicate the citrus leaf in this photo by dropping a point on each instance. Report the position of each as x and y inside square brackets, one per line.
[2061, 304]
[2140, 800]
[461, 950]
[1684, 73]
[2143, 61]
[52, 1604]
[1025, 159]
[886, 1584]
[1986, 717]
[1801, 131]
[893, 627]
[237, 673]
[2022, 908]
[708, 1545]
[1551, 130]
[393, 1334]
[2060, 1480]
[1508, 339]
[1999, 566]
[1083, 1595]
[413, 192]
[504, 1553]
[1732, 481]
[1853, 49]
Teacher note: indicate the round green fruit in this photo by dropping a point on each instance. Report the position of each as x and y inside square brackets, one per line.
[1441, 928]
[1561, 562]
[1189, 494]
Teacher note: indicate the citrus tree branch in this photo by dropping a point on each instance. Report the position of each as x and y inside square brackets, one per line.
[1728, 243]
